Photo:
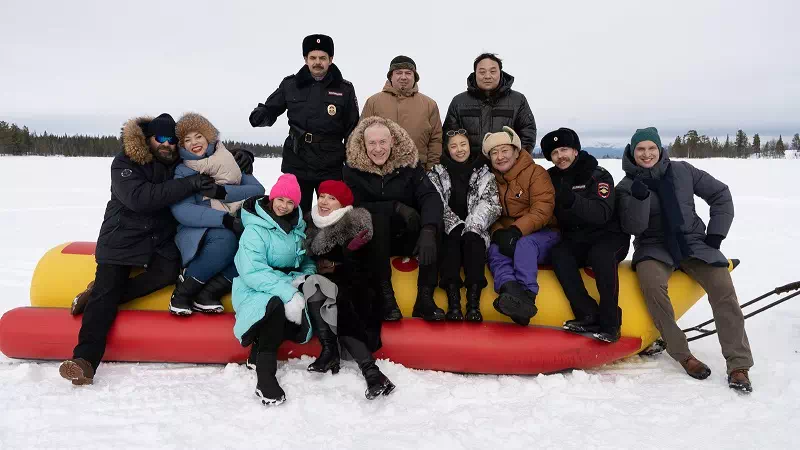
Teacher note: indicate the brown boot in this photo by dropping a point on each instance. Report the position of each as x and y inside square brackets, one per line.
[80, 301]
[77, 370]
[695, 368]
[739, 380]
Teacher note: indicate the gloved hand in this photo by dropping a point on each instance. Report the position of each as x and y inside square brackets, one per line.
[217, 192]
[714, 240]
[294, 309]
[200, 182]
[298, 280]
[426, 246]
[565, 195]
[410, 216]
[506, 240]
[244, 159]
[639, 190]
[457, 231]
[359, 241]
[258, 116]
[233, 223]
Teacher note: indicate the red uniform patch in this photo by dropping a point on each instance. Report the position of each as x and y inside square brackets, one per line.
[603, 190]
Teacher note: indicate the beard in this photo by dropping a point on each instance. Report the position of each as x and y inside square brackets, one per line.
[165, 155]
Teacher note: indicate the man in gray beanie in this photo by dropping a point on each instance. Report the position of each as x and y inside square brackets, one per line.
[400, 101]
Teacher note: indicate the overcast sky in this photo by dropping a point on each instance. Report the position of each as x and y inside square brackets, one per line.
[603, 68]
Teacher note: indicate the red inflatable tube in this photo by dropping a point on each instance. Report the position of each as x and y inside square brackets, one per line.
[157, 336]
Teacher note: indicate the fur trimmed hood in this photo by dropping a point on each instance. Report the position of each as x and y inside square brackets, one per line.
[404, 152]
[134, 141]
[195, 122]
[320, 241]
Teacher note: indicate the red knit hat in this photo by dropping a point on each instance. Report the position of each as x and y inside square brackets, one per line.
[286, 186]
[337, 189]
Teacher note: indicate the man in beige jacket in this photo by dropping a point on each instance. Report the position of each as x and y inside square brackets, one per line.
[401, 102]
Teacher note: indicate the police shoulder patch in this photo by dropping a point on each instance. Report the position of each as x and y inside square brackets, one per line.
[603, 190]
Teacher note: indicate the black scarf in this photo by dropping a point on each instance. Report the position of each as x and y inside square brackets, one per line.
[671, 217]
[460, 173]
[287, 222]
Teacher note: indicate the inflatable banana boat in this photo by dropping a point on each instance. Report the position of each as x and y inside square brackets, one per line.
[145, 331]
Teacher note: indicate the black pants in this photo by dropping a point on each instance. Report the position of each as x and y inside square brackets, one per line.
[469, 252]
[391, 238]
[112, 287]
[603, 256]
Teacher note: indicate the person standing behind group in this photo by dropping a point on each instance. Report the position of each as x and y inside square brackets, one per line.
[489, 104]
[401, 102]
[656, 205]
[322, 109]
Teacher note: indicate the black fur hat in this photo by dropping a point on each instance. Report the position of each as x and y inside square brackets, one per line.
[562, 137]
[317, 42]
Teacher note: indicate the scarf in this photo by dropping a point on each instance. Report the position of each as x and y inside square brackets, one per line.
[221, 167]
[460, 173]
[330, 219]
[287, 222]
[671, 217]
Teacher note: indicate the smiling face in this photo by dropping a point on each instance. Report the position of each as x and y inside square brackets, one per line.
[378, 140]
[165, 151]
[403, 79]
[646, 154]
[318, 63]
[503, 157]
[326, 204]
[458, 146]
[282, 206]
[487, 75]
[195, 143]
[563, 157]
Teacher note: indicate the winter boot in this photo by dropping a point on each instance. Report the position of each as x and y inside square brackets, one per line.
[454, 303]
[391, 312]
[329, 355]
[252, 359]
[738, 380]
[587, 324]
[377, 383]
[181, 301]
[78, 370]
[609, 335]
[695, 368]
[80, 301]
[267, 387]
[425, 307]
[209, 299]
[516, 302]
[474, 304]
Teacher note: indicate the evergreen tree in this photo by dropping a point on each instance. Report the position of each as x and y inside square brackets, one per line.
[727, 150]
[692, 142]
[780, 148]
[757, 144]
[741, 144]
[795, 142]
[677, 149]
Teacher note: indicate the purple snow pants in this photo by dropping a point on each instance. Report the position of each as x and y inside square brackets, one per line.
[531, 250]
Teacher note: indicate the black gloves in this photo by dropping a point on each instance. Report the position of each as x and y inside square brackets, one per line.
[714, 240]
[233, 223]
[258, 116]
[639, 190]
[426, 246]
[457, 231]
[217, 192]
[200, 182]
[410, 216]
[244, 159]
[506, 240]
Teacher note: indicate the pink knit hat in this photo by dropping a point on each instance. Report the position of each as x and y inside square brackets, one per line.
[286, 186]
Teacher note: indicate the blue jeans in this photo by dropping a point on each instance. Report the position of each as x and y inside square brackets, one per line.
[215, 256]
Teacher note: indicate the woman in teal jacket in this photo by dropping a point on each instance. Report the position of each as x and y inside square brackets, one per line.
[272, 264]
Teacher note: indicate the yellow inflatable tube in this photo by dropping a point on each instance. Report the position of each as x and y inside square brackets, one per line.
[65, 271]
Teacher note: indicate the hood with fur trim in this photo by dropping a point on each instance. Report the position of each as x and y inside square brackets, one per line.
[134, 140]
[404, 152]
[195, 122]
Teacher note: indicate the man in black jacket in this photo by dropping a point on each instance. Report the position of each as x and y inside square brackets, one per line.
[384, 173]
[322, 109]
[590, 234]
[138, 231]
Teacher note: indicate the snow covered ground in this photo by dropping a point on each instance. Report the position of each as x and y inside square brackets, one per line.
[636, 403]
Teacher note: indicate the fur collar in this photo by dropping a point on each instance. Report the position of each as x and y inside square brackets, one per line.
[321, 241]
[404, 152]
[134, 142]
[304, 77]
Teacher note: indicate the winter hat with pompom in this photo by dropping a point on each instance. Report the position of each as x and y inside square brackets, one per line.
[286, 186]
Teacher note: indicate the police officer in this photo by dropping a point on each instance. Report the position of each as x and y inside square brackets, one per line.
[590, 234]
[322, 110]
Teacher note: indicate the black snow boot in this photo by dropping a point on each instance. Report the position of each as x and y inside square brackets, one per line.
[425, 307]
[267, 387]
[391, 312]
[454, 303]
[609, 335]
[516, 302]
[329, 355]
[474, 304]
[180, 304]
[252, 360]
[209, 299]
[587, 324]
[377, 383]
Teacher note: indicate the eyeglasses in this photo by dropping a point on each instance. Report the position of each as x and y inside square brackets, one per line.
[460, 131]
[165, 139]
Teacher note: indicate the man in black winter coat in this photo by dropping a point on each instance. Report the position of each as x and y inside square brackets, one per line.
[488, 104]
[384, 173]
[138, 231]
[590, 234]
[322, 109]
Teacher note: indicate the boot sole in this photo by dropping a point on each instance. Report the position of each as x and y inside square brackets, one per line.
[604, 337]
[269, 401]
[333, 368]
[179, 311]
[69, 370]
[385, 389]
[741, 388]
[215, 309]
[520, 313]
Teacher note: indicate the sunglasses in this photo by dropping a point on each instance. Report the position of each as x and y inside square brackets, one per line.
[165, 139]
[460, 131]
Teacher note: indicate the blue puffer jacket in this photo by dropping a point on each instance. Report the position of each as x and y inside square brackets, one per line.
[195, 215]
[268, 260]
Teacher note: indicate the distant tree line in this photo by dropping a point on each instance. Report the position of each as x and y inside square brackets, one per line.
[20, 141]
[694, 145]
